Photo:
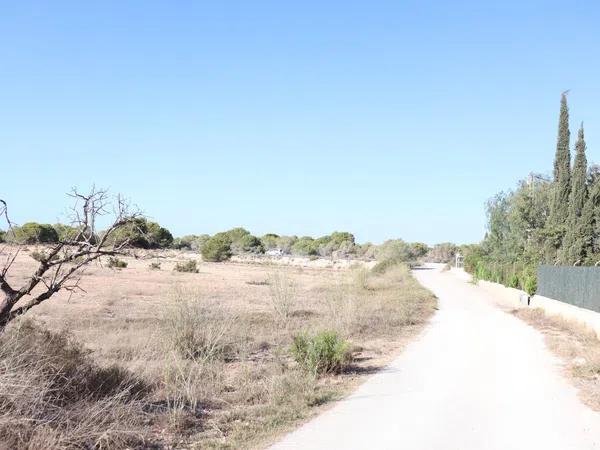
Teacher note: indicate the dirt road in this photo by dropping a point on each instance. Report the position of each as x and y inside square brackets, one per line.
[477, 379]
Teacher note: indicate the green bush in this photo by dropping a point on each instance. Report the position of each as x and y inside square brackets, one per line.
[35, 233]
[188, 266]
[270, 241]
[141, 233]
[514, 281]
[383, 266]
[323, 353]
[116, 263]
[529, 280]
[250, 244]
[154, 266]
[191, 242]
[305, 246]
[217, 248]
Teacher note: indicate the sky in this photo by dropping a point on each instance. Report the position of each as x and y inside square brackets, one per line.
[390, 119]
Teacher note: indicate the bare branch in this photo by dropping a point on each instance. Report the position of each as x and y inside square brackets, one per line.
[61, 266]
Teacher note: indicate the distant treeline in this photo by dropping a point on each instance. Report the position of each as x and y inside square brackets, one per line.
[545, 220]
[238, 241]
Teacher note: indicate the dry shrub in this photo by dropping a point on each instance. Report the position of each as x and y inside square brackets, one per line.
[283, 294]
[189, 266]
[52, 396]
[197, 331]
[342, 307]
[361, 277]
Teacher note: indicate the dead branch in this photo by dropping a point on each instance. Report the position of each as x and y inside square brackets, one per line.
[60, 268]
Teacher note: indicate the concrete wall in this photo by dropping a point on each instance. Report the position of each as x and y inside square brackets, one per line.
[586, 317]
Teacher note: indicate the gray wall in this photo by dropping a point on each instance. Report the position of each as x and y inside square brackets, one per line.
[579, 286]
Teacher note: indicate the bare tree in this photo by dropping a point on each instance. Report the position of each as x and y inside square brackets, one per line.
[61, 266]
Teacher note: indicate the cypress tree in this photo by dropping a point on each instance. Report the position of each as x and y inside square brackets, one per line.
[589, 224]
[573, 242]
[562, 165]
[559, 208]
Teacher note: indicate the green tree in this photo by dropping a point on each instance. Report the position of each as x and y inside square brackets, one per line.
[33, 233]
[217, 248]
[590, 224]
[157, 236]
[559, 210]
[573, 244]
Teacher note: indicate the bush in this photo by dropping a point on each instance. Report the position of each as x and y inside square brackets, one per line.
[154, 266]
[529, 280]
[305, 246]
[191, 242]
[514, 281]
[52, 395]
[116, 263]
[35, 233]
[383, 266]
[41, 255]
[198, 332]
[283, 294]
[188, 266]
[250, 244]
[217, 248]
[143, 234]
[323, 353]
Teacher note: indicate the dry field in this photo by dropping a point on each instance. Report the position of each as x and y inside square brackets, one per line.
[193, 360]
[577, 346]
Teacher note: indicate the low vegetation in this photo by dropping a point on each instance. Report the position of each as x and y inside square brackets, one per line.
[190, 266]
[224, 361]
[325, 352]
[116, 263]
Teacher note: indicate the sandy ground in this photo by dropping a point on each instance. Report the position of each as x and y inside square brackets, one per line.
[477, 378]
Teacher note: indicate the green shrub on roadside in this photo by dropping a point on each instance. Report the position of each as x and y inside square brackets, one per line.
[154, 266]
[514, 281]
[323, 353]
[190, 266]
[217, 248]
[529, 280]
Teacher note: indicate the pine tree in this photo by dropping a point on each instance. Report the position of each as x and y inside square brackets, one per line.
[559, 210]
[573, 243]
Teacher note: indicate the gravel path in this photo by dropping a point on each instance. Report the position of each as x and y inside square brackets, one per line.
[476, 379]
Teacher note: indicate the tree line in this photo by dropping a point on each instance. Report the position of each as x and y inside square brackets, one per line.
[544, 220]
[144, 234]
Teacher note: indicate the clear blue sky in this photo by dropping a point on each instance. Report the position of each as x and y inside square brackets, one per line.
[387, 119]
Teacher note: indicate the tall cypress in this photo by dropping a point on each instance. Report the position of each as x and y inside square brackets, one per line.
[573, 243]
[562, 164]
[559, 208]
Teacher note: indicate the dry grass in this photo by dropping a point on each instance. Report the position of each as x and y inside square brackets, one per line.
[213, 347]
[576, 345]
